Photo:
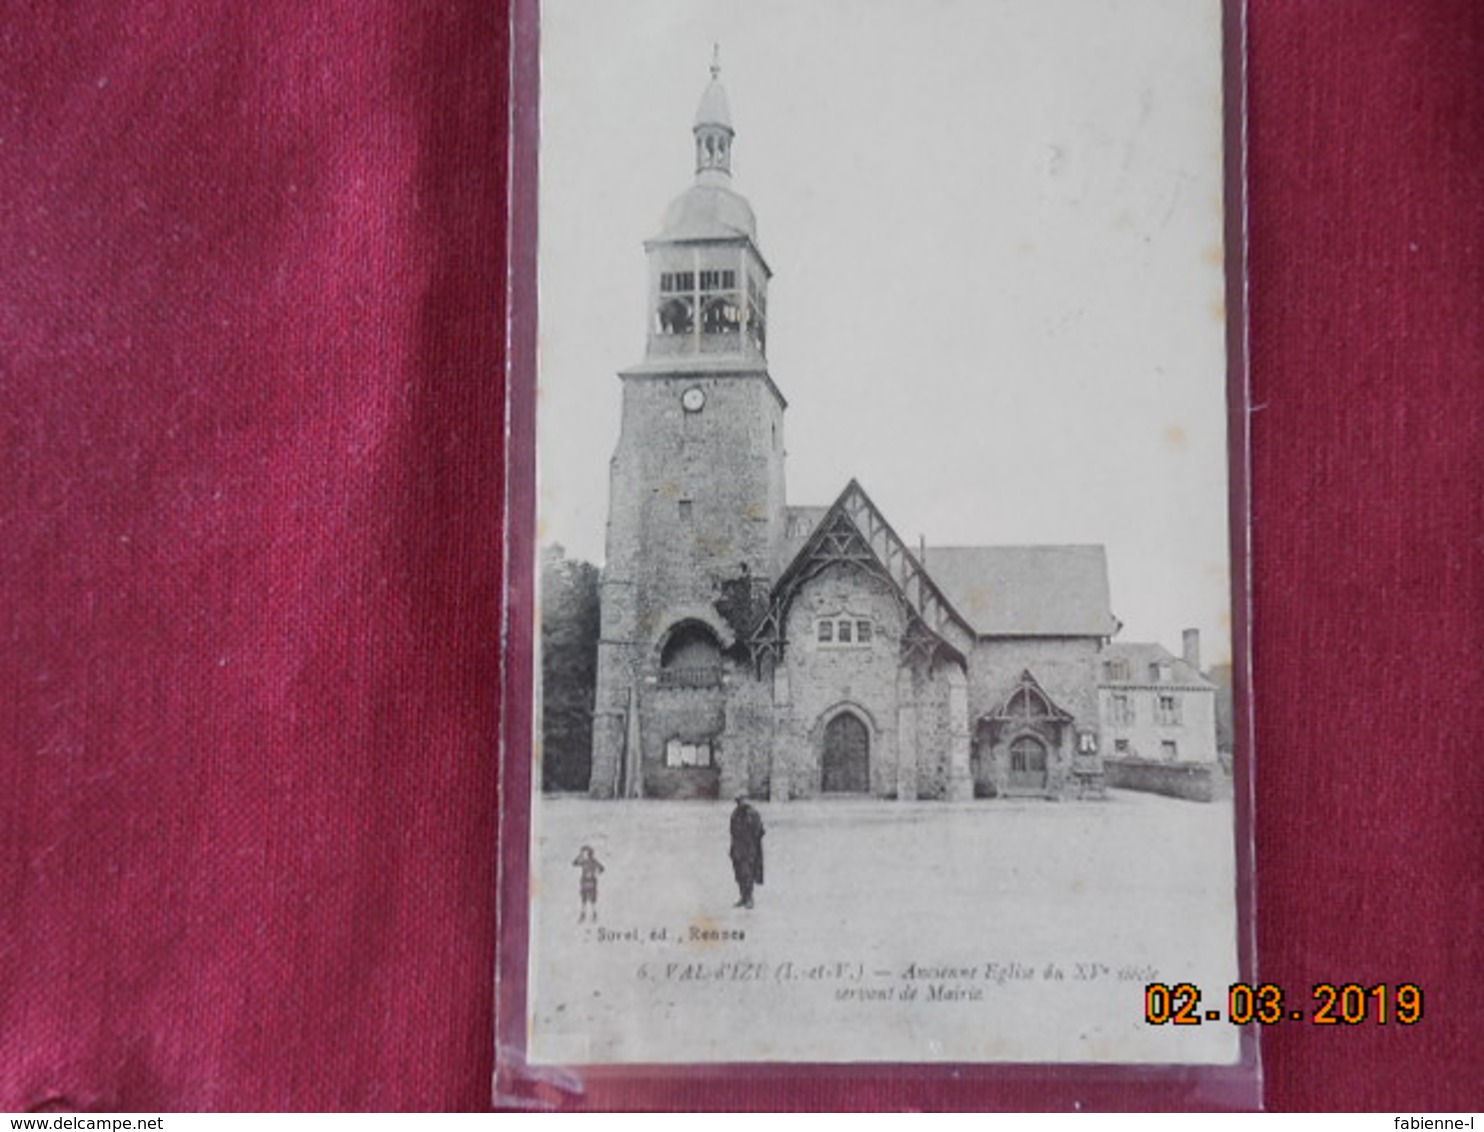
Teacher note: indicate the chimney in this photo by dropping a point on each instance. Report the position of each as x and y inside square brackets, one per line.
[1192, 648]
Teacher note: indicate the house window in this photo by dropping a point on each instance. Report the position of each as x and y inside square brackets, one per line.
[1120, 709]
[1169, 750]
[826, 632]
[863, 632]
[687, 510]
[682, 754]
[1167, 710]
[1116, 669]
[1161, 672]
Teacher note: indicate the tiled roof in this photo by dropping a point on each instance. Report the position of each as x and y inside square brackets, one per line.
[798, 525]
[1026, 591]
[1139, 656]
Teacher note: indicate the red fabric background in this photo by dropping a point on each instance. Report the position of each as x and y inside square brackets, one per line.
[251, 264]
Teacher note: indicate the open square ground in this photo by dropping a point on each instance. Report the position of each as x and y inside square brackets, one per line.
[999, 931]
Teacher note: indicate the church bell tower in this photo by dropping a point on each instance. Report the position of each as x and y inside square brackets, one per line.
[696, 493]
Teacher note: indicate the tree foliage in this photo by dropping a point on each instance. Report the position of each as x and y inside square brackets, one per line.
[1221, 676]
[569, 668]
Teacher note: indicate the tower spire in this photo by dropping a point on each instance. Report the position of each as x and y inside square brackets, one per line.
[713, 125]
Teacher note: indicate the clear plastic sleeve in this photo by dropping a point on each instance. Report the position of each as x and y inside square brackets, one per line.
[905, 763]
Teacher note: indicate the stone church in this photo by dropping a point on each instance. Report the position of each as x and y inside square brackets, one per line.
[753, 646]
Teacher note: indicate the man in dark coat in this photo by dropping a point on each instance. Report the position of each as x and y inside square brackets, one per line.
[747, 850]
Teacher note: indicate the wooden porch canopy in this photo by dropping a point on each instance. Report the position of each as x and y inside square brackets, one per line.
[1019, 706]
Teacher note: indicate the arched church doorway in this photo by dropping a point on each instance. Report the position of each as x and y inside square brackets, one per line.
[845, 763]
[1028, 763]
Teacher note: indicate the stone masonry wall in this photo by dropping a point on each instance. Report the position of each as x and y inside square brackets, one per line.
[690, 715]
[819, 678]
[696, 499]
[1194, 735]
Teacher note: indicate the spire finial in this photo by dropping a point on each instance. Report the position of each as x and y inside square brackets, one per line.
[715, 61]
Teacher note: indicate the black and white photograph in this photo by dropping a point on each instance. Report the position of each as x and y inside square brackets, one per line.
[884, 677]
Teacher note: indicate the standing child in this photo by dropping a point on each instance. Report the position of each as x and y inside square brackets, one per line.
[587, 885]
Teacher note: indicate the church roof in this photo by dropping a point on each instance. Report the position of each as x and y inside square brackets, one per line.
[798, 524]
[1140, 655]
[709, 211]
[990, 591]
[954, 593]
[1026, 591]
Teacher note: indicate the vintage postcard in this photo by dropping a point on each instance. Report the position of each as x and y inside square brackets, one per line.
[883, 678]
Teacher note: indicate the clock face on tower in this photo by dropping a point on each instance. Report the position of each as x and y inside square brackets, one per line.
[693, 399]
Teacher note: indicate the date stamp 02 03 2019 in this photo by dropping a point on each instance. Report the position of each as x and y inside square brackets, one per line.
[1265, 1004]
